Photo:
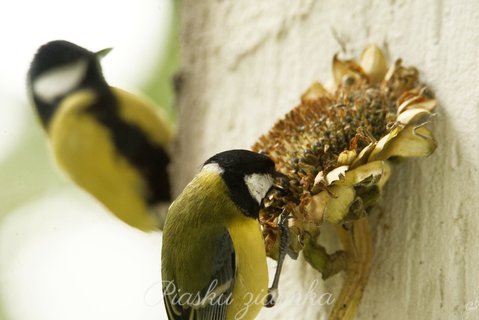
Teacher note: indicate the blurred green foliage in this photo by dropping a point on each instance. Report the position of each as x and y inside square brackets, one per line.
[160, 85]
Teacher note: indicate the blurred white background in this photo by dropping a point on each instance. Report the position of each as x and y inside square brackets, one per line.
[62, 256]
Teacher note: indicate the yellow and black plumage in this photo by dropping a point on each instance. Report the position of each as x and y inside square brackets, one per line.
[213, 255]
[110, 142]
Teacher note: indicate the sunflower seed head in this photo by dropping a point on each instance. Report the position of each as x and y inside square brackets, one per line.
[373, 114]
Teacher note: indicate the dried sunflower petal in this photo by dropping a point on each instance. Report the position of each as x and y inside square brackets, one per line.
[417, 102]
[373, 63]
[315, 92]
[338, 205]
[415, 115]
[336, 174]
[409, 142]
[356, 176]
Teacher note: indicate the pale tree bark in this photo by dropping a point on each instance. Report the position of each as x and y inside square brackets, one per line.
[246, 63]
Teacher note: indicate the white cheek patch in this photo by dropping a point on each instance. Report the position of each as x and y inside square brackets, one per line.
[258, 185]
[213, 168]
[58, 81]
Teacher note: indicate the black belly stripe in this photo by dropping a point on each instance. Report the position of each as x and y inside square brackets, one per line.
[131, 142]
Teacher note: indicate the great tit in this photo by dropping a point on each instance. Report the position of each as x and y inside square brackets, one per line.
[213, 256]
[110, 142]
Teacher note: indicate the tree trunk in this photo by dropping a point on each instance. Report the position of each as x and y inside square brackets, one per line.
[246, 63]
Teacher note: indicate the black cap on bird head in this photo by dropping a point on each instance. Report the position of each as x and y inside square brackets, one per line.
[58, 69]
[248, 176]
[57, 53]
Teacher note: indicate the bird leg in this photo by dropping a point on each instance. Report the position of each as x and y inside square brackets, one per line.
[272, 296]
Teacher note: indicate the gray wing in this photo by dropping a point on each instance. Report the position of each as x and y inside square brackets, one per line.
[214, 298]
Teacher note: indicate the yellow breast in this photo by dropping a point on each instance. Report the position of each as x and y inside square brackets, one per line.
[251, 282]
[84, 150]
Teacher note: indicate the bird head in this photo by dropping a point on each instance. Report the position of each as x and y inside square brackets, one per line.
[248, 176]
[58, 69]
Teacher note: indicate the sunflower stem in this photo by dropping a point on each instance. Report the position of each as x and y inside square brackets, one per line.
[357, 244]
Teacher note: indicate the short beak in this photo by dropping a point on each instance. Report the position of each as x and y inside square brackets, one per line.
[103, 52]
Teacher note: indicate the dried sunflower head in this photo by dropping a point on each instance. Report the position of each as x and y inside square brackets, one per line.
[337, 148]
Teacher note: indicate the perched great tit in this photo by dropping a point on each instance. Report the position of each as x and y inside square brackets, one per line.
[110, 142]
[213, 256]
